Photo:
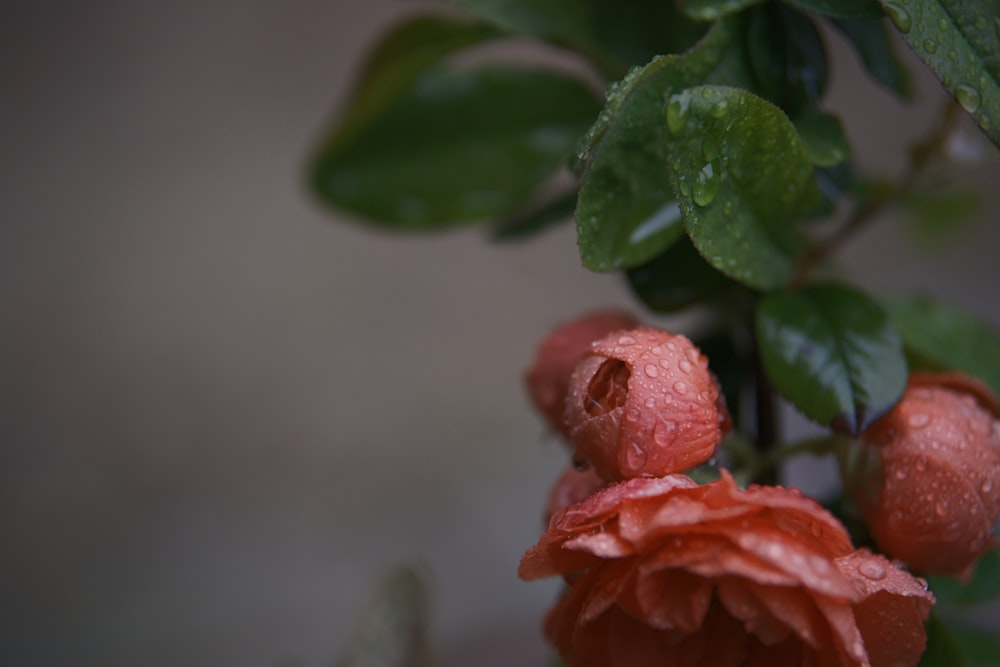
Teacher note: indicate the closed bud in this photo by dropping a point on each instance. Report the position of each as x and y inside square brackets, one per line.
[643, 403]
[931, 493]
[560, 352]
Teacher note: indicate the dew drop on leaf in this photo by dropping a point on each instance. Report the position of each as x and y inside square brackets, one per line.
[968, 97]
[706, 184]
[899, 16]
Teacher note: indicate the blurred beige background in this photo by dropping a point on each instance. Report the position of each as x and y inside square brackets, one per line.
[223, 411]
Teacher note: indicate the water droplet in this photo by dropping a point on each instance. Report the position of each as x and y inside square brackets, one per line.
[919, 420]
[930, 45]
[719, 109]
[858, 650]
[980, 22]
[899, 16]
[635, 457]
[650, 402]
[626, 340]
[706, 184]
[677, 116]
[987, 486]
[941, 507]
[664, 433]
[952, 532]
[680, 387]
[633, 415]
[665, 363]
[727, 208]
[943, 24]
[921, 464]
[968, 97]
[900, 473]
[952, 56]
[651, 370]
[684, 365]
[871, 569]
[709, 148]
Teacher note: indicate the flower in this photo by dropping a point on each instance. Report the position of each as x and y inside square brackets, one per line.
[572, 487]
[643, 403]
[662, 570]
[559, 353]
[928, 479]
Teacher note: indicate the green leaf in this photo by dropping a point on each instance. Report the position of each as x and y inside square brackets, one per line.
[960, 41]
[536, 219]
[709, 10]
[456, 146]
[940, 336]
[984, 586]
[833, 352]
[392, 630]
[978, 648]
[787, 56]
[398, 58]
[942, 649]
[849, 9]
[613, 35]
[626, 210]
[676, 279]
[742, 176]
[871, 40]
[823, 137]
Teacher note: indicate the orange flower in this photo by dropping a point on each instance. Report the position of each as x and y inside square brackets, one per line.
[560, 352]
[928, 484]
[572, 487]
[663, 571]
[643, 403]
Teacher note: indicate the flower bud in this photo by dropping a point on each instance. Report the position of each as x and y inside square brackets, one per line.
[643, 403]
[559, 353]
[933, 495]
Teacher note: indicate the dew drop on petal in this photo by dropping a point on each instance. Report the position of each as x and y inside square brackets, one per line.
[626, 340]
[665, 432]
[635, 457]
[680, 387]
[684, 365]
[921, 464]
[872, 570]
[650, 402]
[633, 415]
[651, 370]
[987, 486]
[919, 420]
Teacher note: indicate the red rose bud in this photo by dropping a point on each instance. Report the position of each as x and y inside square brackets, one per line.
[931, 495]
[558, 355]
[643, 403]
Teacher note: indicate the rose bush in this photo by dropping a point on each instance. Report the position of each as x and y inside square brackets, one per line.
[662, 568]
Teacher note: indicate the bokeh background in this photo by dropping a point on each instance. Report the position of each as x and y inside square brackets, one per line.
[224, 411]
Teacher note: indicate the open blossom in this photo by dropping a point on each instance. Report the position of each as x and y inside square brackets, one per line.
[560, 352]
[934, 495]
[643, 403]
[664, 571]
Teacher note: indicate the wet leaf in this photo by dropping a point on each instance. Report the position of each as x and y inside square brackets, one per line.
[833, 352]
[788, 59]
[709, 10]
[940, 336]
[960, 41]
[626, 213]
[742, 177]
[456, 146]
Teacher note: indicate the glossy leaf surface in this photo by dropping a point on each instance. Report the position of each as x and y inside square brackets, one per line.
[943, 337]
[833, 352]
[457, 146]
[960, 41]
[788, 59]
[742, 176]
[626, 213]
